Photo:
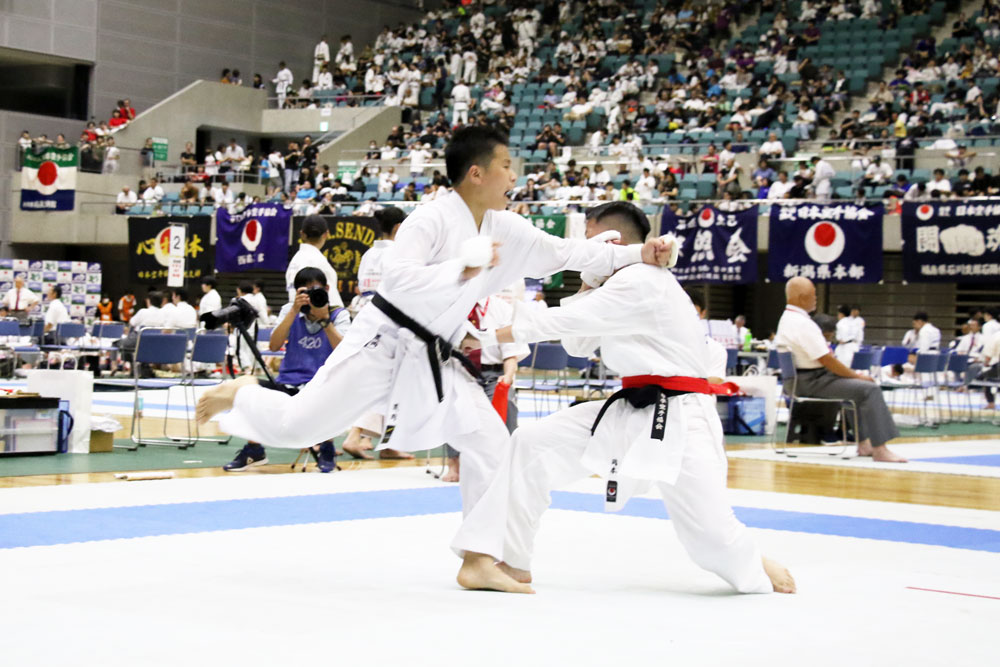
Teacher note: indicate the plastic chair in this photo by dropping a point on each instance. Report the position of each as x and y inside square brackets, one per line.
[862, 361]
[155, 346]
[789, 377]
[209, 347]
[548, 358]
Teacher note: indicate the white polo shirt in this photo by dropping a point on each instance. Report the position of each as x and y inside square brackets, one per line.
[799, 334]
[56, 313]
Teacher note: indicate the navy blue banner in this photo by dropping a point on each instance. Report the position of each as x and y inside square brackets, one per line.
[953, 241]
[718, 247]
[60, 200]
[827, 243]
[256, 238]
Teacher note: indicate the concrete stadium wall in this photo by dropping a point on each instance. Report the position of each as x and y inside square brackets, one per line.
[148, 49]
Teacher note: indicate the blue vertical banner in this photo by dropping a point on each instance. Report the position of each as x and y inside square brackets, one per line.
[256, 238]
[718, 247]
[827, 243]
[953, 241]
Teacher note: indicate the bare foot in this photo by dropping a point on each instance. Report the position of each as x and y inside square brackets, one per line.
[357, 452]
[886, 455]
[865, 448]
[220, 398]
[781, 578]
[478, 573]
[520, 576]
[394, 454]
[452, 475]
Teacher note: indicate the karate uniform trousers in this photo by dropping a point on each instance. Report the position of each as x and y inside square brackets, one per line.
[550, 453]
[349, 386]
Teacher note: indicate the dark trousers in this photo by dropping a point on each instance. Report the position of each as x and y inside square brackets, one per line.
[875, 420]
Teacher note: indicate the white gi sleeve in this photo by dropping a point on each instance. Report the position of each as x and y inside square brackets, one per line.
[544, 254]
[618, 307]
[406, 268]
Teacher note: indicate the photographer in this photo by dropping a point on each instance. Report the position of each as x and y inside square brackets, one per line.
[309, 330]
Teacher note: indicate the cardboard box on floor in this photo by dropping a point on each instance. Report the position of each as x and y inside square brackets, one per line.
[101, 441]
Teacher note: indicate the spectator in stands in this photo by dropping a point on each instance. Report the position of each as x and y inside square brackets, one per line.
[117, 120]
[127, 110]
[293, 161]
[231, 156]
[111, 156]
[189, 161]
[728, 179]
[125, 200]
[148, 153]
[877, 173]
[258, 82]
[939, 183]
[222, 195]
[805, 121]
[282, 81]
[189, 192]
[153, 193]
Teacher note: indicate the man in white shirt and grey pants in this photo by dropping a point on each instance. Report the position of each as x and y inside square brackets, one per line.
[821, 375]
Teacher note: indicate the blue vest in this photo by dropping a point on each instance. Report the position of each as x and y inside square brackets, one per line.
[304, 352]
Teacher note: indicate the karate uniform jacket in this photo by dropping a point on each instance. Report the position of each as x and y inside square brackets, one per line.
[421, 276]
[644, 324]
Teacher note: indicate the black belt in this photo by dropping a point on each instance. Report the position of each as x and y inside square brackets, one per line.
[643, 397]
[800, 371]
[493, 368]
[438, 349]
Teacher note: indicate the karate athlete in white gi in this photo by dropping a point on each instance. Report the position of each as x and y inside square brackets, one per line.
[399, 356]
[664, 431]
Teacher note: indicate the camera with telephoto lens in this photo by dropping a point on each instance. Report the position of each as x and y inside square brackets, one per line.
[318, 297]
[238, 313]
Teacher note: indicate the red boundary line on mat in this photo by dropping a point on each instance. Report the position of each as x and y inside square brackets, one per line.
[971, 595]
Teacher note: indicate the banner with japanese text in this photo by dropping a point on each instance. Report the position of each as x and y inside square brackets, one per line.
[350, 238]
[827, 243]
[717, 247]
[953, 241]
[48, 179]
[255, 239]
[555, 225]
[149, 247]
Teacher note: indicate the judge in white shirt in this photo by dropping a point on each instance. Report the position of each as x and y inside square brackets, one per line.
[182, 315]
[56, 313]
[210, 299]
[19, 300]
[819, 374]
[312, 238]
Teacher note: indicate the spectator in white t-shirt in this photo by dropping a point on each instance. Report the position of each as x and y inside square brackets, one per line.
[153, 193]
[772, 148]
[939, 183]
[125, 199]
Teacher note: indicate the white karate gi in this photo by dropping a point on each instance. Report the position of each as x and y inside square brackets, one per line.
[645, 325]
[847, 340]
[282, 82]
[380, 367]
[321, 56]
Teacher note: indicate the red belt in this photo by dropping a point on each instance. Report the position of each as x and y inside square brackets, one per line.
[676, 383]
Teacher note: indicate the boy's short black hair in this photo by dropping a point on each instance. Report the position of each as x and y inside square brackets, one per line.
[844, 310]
[307, 275]
[624, 209]
[181, 293]
[57, 290]
[471, 145]
[314, 226]
[696, 299]
[388, 218]
[920, 315]
[210, 281]
[155, 297]
[246, 287]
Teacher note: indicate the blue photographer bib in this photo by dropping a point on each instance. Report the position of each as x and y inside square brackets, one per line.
[305, 352]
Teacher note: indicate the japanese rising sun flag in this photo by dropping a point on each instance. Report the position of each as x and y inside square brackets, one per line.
[48, 180]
